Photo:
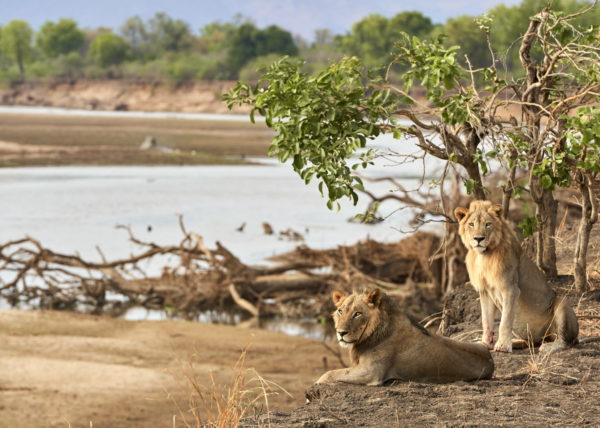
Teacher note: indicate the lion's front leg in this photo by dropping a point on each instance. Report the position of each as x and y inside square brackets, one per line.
[510, 295]
[488, 311]
[358, 375]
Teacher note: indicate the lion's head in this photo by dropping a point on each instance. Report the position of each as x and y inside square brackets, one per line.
[480, 226]
[357, 315]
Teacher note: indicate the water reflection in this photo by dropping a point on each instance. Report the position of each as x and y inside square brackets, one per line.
[304, 327]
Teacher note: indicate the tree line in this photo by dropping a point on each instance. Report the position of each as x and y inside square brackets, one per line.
[166, 49]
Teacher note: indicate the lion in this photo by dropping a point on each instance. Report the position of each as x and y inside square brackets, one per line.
[509, 281]
[386, 345]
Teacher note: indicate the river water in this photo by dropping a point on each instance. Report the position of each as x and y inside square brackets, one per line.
[75, 209]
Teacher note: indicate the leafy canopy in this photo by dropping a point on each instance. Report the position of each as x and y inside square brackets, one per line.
[60, 38]
[320, 121]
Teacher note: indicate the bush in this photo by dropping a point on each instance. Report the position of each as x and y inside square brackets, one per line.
[252, 71]
[108, 49]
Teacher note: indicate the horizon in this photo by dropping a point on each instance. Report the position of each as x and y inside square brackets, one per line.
[298, 17]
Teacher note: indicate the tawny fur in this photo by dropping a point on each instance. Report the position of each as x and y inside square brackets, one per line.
[509, 281]
[385, 344]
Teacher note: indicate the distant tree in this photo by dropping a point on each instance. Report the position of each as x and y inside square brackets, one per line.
[242, 47]
[275, 40]
[410, 22]
[368, 40]
[168, 34]
[108, 49]
[135, 32]
[16, 43]
[372, 38]
[59, 38]
[248, 42]
[464, 32]
[213, 36]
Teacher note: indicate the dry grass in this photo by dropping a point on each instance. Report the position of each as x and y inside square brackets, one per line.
[215, 405]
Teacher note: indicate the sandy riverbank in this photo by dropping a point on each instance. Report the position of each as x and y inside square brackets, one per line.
[58, 140]
[69, 369]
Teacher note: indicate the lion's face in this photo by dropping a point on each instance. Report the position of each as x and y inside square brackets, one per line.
[354, 314]
[479, 226]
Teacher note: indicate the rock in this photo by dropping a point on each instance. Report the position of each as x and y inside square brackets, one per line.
[148, 143]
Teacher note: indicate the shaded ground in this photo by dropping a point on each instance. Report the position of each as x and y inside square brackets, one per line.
[67, 369]
[563, 391]
[39, 140]
[528, 389]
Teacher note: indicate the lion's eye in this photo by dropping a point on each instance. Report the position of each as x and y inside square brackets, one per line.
[471, 225]
[488, 224]
[356, 314]
[339, 311]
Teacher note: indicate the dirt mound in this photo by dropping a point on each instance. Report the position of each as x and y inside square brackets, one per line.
[527, 390]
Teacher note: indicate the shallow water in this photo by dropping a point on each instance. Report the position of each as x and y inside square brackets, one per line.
[75, 209]
[306, 327]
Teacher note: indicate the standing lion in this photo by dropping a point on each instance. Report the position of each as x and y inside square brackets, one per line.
[509, 281]
[385, 344]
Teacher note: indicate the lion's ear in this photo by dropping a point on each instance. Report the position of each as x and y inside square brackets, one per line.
[338, 297]
[460, 213]
[374, 297]
[496, 210]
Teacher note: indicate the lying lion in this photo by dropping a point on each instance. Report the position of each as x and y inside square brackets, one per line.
[385, 345]
[508, 280]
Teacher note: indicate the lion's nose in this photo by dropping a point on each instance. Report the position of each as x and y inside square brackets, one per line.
[342, 333]
[479, 238]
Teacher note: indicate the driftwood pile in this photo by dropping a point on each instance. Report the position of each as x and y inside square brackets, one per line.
[195, 278]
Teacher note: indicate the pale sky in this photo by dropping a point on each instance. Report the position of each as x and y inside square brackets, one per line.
[301, 17]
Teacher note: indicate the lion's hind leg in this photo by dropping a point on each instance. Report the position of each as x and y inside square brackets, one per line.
[564, 328]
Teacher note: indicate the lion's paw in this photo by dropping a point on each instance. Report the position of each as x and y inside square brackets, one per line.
[502, 347]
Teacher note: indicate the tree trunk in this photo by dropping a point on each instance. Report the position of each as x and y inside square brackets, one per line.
[475, 175]
[21, 64]
[589, 215]
[545, 243]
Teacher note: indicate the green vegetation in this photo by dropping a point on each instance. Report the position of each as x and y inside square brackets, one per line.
[16, 43]
[537, 120]
[163, 49]
[59, 38]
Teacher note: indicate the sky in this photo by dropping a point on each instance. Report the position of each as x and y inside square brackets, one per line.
[301, 17]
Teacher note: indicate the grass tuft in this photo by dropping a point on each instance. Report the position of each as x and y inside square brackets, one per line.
[214, 405]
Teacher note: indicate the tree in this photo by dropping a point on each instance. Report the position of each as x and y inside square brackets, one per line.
[248, 42]
[213, 36]
[168, 34]
[60, 38]
[372, 38]
[411, 22]
[465, 33]
[275, 40]
[135, 32]
[322, 121]
[16, 43]
[108, 49]
[368, 40]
